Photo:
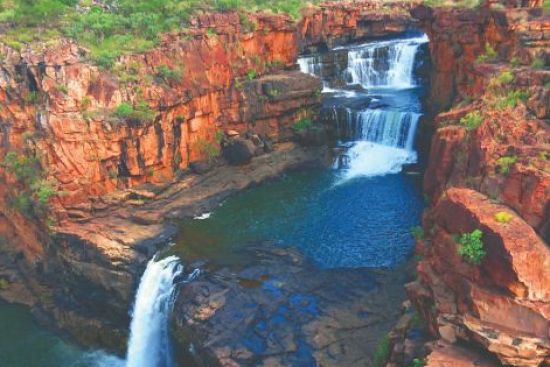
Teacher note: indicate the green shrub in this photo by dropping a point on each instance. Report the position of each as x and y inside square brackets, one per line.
[471, 247]
[251, 74]
[417, 232]
[538, 63]
[4, 284]
[489, 56]
[515, 62]
[170, 75]
[506, 77]
[246, 23]
[33, 192]
[512, 99]
[303, 124]
[472, 120]
[382, 352]
[140, 113]
[504, 163]
[207, 149]
[503, 217]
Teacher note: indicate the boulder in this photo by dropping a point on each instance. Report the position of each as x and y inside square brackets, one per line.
[239, 151]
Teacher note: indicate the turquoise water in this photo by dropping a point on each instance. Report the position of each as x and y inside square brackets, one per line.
[24, 344]
[361, 222]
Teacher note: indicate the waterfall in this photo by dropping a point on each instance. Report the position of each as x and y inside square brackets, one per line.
[385, 142]
[149, 344]
[383, 64]
[388, 64]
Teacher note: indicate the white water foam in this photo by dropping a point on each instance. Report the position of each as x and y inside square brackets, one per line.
[203, 216]
[149, 344]
[388, 64]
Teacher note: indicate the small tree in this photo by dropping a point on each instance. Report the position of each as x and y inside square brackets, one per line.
[471, 247]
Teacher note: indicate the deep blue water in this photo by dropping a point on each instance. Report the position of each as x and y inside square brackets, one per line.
[361, 222]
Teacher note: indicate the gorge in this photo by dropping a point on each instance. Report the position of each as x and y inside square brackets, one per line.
[243, 193]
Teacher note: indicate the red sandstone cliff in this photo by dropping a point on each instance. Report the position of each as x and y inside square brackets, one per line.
[497, 164]
[122, 173]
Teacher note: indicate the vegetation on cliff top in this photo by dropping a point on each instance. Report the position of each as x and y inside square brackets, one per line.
[110, 28]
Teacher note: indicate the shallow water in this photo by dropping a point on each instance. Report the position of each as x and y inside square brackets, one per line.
[25, 344]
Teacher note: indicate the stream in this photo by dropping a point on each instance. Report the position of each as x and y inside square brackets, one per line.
[356, 213]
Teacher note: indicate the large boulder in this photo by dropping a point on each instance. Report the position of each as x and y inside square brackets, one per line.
[239, 151]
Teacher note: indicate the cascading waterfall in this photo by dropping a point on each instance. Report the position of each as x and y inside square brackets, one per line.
[388, 64]
[382, 138]
[149, 344]
[385, 143]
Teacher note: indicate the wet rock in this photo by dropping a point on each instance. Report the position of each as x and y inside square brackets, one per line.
[278, 309]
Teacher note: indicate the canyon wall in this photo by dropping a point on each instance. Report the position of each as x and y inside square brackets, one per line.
[126, 148]
[488, 171]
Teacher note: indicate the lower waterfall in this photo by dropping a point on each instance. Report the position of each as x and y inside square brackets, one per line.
[383, 143]
[149, 344]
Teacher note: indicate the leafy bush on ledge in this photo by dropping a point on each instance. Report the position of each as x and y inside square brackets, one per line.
[504, 163]
[140, 113]
[417, 232]
[471, 247]
[472, 120]
[33, 193]
[302, 125]
[503, 217]
[489, 56]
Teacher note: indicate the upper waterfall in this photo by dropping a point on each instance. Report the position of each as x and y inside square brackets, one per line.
[374, 105]
[376, 64]
[387, 64]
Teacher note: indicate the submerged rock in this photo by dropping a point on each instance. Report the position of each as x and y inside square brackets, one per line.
[278, 309]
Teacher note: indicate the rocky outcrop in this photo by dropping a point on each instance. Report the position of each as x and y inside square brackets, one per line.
[488, 171]
[337, 23]
[275, 308]
[502, 303]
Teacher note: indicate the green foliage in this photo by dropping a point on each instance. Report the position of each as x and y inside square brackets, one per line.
[31, 97]
[538, 63]
[138, 114]
[515, 62]
[472, 120]
[4, 284]
[417, 232]
[33, 192]
[122, 26]
[382, 352]
[246, 23]
[219, 136]
[506, 77]
[168, 74]
[503, 217]
[62, 88]
[471, 247]
[251, 74]
[207, 149]
[303, 124]
[489, 56]
[512, 99]
[504, 163]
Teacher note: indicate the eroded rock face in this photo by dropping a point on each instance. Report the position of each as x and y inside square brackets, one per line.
[502, 303]
[277, 309]
[496, 165]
